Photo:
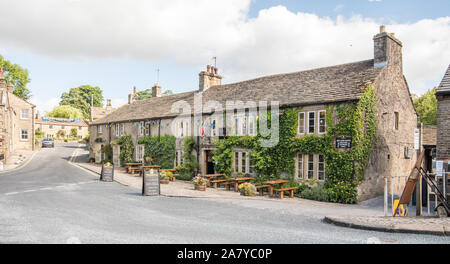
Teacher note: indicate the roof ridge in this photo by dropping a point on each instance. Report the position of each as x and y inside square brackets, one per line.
[295, 72]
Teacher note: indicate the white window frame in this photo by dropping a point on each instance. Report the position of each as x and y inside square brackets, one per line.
[324, 120]
[251, 166]
[147, 128]
[117, 130]
[243, 126]
[22, 114]
[243, 159]
[99, 129]
[304, 123]
[318, 168]
[308, 168]
[309, 132]
[141, 128]
[140, 151]
[24, 134]
[300, 166]
[251, 126]
[122, 129]
[236, 122]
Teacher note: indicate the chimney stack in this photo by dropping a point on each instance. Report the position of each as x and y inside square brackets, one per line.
[209, 78]
[156, 91]
[387, 50]
[132, 97]
[10, 87]
[2, 79]
[108, 104]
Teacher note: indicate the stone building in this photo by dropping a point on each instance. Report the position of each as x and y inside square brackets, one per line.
[443, 118]
[16, 121]
[312, 90]
[50, 127]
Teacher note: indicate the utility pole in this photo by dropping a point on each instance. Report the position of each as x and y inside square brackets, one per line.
[419, 183]
[157, 76]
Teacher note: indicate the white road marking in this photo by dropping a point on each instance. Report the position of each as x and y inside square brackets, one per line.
[27, 191]
[11, 193]
[51, 188]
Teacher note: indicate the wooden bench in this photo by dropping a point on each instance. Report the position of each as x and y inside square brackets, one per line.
[215, 182]
[174, 178]
[290, 189]
[228, 184]
[261, 188]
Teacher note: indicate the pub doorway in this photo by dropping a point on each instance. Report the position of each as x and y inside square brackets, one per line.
[208, 161]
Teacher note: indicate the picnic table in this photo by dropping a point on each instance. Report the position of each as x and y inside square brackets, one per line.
[238, 181]
[214, 179]
[271, 185]
[132, 167]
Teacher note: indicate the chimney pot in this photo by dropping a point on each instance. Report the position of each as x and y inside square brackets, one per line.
[212, 69]
[134, 90]
[108, 102]
[382, 28]
[208, 68]
[216, 70]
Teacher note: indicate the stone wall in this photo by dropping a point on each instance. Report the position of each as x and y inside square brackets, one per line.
[443, 127]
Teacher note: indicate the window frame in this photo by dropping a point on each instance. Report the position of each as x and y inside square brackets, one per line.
[324, 120]
[27, 114]
[22, 130]
[314, 125]
[304, 123]
[300, 161]
[396, 121]
[318, 168]
[308, 168]
[99, 129]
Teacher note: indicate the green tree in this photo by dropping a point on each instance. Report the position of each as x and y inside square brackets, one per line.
[74, 133]
[65, 111]
[18, 76]
[426, 106]
[61, 134]
[144, 94]
[80, 97]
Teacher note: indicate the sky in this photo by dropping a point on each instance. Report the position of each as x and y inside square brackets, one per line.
[118, 44]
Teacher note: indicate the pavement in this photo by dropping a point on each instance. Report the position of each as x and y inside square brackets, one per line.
[416, 225]
[17, 159]
[51, 200]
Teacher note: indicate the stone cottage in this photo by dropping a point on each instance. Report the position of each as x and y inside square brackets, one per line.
[16, 121]
[443, 118]
[312, 91]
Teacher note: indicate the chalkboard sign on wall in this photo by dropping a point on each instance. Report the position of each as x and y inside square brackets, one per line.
[107, 174]
[343, 142]
[150, 181]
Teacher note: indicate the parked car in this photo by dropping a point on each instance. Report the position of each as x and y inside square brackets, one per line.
[48, 143]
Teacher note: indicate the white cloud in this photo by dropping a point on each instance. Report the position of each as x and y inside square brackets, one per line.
[118, 102]
[44, 105]
[191, 32]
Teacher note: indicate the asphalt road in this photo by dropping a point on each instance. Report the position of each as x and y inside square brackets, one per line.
[53, 201]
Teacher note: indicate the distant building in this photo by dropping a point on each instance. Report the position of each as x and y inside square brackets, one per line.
[443, 117]
[50, 127]
[16, 121]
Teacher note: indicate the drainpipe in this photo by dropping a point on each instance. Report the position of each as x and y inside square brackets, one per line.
[159, 130]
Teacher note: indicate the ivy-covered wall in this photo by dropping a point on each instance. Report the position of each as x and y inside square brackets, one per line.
[344, 170]
[160, 149]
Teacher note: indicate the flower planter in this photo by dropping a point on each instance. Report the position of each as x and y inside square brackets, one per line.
[164, 180]
[200, 187]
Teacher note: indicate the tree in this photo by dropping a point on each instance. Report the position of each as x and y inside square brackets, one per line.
[18, 76]
[65, 111]
[147, 93]
[74, 133]
[426, 106]
[80, 97]
[61, 134]
[144, 94]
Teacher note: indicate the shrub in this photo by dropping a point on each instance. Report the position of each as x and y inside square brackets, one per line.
[160, 149]
[317, 193]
